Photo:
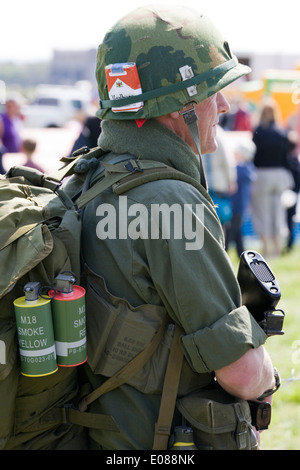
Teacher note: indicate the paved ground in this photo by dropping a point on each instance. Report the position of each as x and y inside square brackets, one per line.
[52, 144]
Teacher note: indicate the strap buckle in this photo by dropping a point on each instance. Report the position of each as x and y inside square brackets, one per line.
[66, 408]
[189, 115]
[273, 322]
[260, 414]
[133, 166]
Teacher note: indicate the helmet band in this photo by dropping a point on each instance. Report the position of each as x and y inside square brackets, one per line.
[148, 95]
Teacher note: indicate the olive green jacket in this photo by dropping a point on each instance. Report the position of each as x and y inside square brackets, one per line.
[194, 282]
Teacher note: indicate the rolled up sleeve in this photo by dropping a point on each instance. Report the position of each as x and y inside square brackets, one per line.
[233, 334]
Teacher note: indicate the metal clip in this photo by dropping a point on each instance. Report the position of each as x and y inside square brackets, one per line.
[133, 166]
[189, 115]
[187, 73]
[82, 151]
[273, 322]
[67, 407]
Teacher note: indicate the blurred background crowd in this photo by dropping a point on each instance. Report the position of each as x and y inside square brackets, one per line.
[48, 100]
[253, 177]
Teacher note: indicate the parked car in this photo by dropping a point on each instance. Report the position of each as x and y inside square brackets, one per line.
[53, 106]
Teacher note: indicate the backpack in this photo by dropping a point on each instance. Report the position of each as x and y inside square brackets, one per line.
[40, 230]
[39, 238]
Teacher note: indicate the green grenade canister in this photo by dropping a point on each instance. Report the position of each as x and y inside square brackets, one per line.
[68, 309]
[35, 333]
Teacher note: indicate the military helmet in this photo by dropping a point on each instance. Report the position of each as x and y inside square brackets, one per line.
[179, 55]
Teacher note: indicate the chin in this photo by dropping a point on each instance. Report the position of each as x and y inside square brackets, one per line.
[210, 147]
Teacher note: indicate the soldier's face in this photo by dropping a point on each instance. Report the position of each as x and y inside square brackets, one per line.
[208, 118]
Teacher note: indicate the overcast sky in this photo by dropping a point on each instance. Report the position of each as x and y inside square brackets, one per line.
[31, 29]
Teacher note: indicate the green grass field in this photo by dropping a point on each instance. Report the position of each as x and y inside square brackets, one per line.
[284, 432]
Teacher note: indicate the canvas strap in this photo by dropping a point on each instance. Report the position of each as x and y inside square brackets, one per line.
[124, 176]
[68, 168]
[69, 414]
[126, 372]
[191, 118]
[169, 395]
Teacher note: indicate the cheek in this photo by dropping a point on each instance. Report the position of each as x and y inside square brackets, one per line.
[207, 126]
[208, 117]
[208, 138]
[207, 113]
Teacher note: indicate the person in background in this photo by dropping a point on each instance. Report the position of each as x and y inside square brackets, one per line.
[11, 126]
[242, 119]
[221, 176]
[28, 148]
[292, 195]
[89, 134]
[238, 118]
[273, 178]
[240, 200]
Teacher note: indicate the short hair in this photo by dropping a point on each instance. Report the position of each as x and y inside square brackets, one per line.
[29, 145]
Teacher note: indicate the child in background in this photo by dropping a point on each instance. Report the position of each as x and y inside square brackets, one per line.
[240, 200]
[28, 148]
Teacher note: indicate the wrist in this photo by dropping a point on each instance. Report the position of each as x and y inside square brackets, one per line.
[269, 392]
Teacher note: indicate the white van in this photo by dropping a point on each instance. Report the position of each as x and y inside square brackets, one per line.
[54, 106]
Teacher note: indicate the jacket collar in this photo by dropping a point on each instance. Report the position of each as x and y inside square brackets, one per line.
[152, 141]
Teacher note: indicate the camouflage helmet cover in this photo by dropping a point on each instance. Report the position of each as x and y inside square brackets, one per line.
[160, 40]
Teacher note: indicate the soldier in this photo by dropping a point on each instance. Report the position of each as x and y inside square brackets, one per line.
[141, 267]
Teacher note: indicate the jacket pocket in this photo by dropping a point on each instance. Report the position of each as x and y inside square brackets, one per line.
[117, 332]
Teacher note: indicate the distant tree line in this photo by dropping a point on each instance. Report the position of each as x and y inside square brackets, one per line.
[25, 74]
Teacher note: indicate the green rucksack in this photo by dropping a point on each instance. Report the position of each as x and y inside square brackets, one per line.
[40, 230]
[39, 238]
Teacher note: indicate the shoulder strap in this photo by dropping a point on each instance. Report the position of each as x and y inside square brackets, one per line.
[127, 371]
[68, 168]
[127, 175]
[17, 234]
[69, 414]
[169, 395]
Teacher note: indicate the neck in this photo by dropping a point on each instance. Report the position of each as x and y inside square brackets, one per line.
[153, 141]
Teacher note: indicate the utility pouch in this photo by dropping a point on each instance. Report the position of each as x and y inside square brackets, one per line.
[219, 420]
[117, 332]
[260, 414]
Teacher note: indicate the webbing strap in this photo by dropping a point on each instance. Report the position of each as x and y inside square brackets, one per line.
[126, 372]
[67, 169]
[194, 131]
[70, 415]
[112, 175]
[18, 233]
[191, 118]
[97, 189]
[64, 171]
[121, 178]
[169, 395]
